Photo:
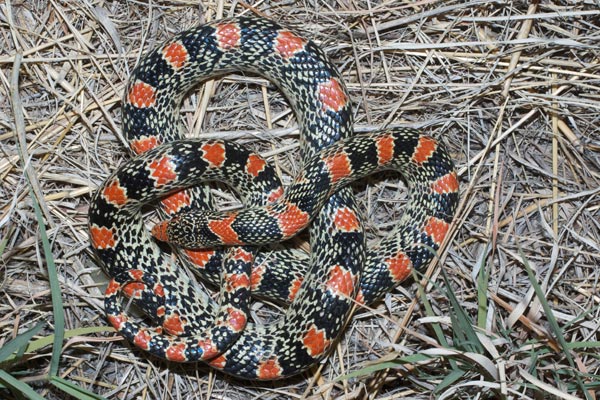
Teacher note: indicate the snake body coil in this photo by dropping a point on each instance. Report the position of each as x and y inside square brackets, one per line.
[191, 326]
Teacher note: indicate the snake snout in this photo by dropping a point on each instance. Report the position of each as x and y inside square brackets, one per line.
[160, 231]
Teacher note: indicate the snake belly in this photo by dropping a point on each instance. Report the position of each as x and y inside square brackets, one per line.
[340, 270]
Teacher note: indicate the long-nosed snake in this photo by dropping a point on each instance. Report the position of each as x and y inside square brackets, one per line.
[340, 270]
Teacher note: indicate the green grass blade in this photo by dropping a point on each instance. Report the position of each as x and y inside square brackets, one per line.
[465, 337]
[552, 322]
[3, 243]
[482, 291]
[383, 365]
[57, 305]
[18, 386]
[42, 342]
[74, 390]
[19, 344]
[452, 377]
[437, 329]
[29, 173]
[45, 341]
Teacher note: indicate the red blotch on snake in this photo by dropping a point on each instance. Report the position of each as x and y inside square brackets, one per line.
[102, 237]
[240, 254]
[199, 256]
[446, 184]
[173, 324]
[275, 194]
[341, 282]
[162, 171]
[209, 350]
[136, 274]
[175, 202]
[176, 352]
[346, 220]
[360, 297]
[292, 220]
[134, 289]
[234, 282]
[256, 276]
[141, 95]
[142, 339]
[228, 36]
[385, 149]
[214, 154]
[338, 166]
[237, 319]
[115, 194]
[294, 287]
[269, 369]
[436, 229]
[144, 144]
[176, 55]
[315, 341]
[112, 288]
[399, 266]
[159, 290]
[218, 362]
[255, 165]
[287, 44]
[332, 95]
[424, 150]
[222, 228]
[117, 320]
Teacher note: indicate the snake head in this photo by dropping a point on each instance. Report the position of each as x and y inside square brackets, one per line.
[197, 229]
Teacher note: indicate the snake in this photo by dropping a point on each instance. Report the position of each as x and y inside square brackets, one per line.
[180, 321]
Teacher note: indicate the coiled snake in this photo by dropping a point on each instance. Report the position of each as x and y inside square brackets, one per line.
[339, 272]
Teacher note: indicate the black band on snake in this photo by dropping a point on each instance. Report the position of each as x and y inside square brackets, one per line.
[340, 271]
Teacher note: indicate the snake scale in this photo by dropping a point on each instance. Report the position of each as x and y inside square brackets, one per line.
[183, 323]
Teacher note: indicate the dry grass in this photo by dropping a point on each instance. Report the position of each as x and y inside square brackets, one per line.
[512, 88]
